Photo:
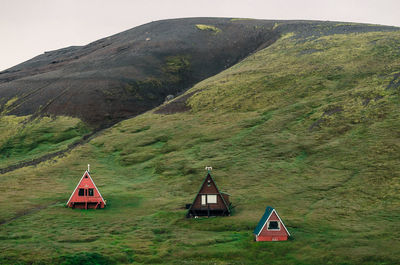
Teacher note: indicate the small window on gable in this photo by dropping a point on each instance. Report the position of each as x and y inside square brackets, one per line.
[86, 176]
[91, 192]
[273, 225]
[81, 192]
[211, 198]
[209, 183]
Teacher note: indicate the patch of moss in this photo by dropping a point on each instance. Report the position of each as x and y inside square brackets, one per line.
[211, 28]
[241, 19]
[9, 103]
[177, 69]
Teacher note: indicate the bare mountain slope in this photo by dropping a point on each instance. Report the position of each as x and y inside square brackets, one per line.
[131, 72]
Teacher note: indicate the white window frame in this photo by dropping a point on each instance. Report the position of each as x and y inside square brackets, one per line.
[209, 196]
[279, 225]
[203, 199]
[208, 199]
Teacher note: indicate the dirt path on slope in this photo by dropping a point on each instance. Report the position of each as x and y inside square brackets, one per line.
[39, 160]
[46, 157]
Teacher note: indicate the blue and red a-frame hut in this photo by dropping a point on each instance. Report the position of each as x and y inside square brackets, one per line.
[271, 227]
[86, 195]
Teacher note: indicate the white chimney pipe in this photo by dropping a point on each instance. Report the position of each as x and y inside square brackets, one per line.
[88, 167]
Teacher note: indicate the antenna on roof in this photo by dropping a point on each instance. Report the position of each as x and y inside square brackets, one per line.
[208, 169]
[88, 167]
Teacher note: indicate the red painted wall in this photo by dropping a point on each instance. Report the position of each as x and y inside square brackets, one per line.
[86, 201]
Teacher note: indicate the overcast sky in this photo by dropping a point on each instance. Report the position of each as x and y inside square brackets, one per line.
[30, 27]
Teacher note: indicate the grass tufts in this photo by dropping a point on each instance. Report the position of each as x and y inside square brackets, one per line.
[211, 28]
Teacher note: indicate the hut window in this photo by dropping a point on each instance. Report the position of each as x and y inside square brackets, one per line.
[81, 192]
[273, 225]
[91, 193]
[211, 198]
[203, 199]
[209, 183]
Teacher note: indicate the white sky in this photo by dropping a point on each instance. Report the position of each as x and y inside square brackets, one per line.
[30, 27]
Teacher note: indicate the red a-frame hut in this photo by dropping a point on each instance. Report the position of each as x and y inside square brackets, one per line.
[271, 227]
[209, 201]
[86, 195]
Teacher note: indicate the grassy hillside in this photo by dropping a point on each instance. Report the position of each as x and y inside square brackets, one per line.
[23, 139]
[309, 125]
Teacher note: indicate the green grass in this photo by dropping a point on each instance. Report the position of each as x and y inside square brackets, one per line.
[23, 140]
[334, 184]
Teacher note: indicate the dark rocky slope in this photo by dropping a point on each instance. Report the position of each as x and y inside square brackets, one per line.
[131, 72]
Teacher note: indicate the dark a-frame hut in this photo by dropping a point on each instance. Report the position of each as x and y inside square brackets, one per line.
[209, 201]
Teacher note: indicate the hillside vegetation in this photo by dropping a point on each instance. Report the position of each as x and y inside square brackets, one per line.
[23, 139]
[309, 125]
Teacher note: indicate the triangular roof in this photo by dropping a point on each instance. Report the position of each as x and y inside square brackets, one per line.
[86, 174]
[268, 212]
[216, 186]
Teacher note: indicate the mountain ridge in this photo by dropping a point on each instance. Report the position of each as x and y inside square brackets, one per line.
[131, 72]
[127, 73]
